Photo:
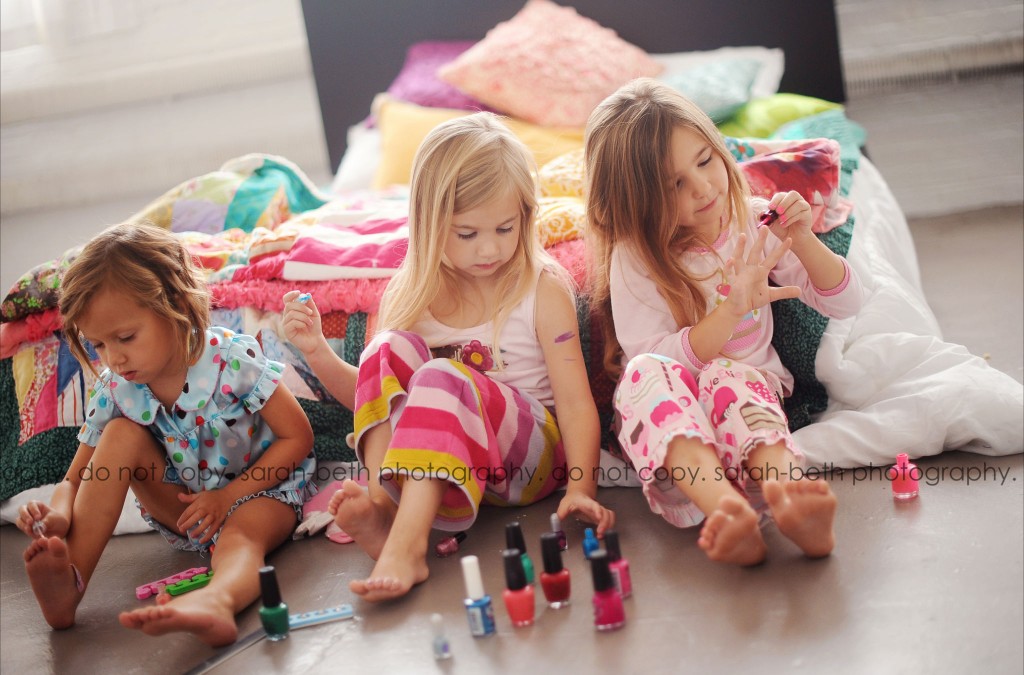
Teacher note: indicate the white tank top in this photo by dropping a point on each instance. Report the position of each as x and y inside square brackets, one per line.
[521, 362]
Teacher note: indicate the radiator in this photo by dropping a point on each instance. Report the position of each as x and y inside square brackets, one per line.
[944, 65]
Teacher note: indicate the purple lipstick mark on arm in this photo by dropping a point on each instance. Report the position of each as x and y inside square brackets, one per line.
[564, 337]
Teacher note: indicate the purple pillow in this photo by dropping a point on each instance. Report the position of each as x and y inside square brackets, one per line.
[418, 82]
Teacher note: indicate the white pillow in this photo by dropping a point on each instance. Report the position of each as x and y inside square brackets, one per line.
[766, 83]
[359, 164]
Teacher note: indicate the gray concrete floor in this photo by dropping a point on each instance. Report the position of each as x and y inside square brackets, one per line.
[934, 585]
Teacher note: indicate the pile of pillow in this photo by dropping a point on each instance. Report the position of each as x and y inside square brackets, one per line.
[546, 69]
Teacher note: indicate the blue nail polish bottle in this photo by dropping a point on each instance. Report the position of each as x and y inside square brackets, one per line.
[479, 609]
[590, 543]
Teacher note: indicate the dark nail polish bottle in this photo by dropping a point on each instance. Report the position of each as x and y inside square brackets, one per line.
[555, 578]
[273, 613]
[514, 539]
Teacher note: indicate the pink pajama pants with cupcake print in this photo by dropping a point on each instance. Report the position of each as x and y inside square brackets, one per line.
[731, 407]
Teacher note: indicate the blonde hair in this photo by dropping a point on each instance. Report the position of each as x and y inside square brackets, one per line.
[460, 165]
[151, 266]
[631, 200]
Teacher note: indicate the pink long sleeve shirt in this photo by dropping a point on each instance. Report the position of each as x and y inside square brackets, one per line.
[644, 322]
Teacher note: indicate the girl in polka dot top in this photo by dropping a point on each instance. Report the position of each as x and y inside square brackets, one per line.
[194, 418]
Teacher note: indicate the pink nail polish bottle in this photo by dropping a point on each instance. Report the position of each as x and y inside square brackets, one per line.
[555, 578]
[518, 594]
[904, 477]
[619, 566]
[556, 527]
[449, 545]
[609, 613]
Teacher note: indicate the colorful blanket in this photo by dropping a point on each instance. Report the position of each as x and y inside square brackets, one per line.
[259, 228]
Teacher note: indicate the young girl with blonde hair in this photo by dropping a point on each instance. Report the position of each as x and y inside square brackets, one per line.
[475, 387]
[682, 258]
[194, 418]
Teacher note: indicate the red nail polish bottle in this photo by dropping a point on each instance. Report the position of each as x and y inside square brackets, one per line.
[619, 566]
[518, 594]
[609, 613]
[555, 578]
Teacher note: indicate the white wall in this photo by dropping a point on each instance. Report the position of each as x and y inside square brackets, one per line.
[174, 90]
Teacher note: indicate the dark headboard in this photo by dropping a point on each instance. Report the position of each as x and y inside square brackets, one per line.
[358, 46]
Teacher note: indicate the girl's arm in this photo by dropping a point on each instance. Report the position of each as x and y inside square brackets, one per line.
[56, 516]
[558, 332]
[824, 268]
[293, 442]
[302, 327]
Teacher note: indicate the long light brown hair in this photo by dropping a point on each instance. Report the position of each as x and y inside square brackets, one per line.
[150, 265]
[460, 165]
[631, 201]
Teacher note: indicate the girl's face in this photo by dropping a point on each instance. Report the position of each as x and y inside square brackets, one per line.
[481, 240]
[133, 341]
[701, 183]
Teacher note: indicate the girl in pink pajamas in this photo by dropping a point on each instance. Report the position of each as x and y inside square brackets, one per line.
[475, 387]
[683, 257]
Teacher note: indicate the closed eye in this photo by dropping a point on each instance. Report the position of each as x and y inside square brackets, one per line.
[465, 236]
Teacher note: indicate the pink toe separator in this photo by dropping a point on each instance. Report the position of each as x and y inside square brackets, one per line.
[154, 587]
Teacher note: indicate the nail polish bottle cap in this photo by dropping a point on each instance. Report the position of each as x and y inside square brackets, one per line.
[551, 551]
[268, 587]
[437, 621]
[602, 574]
[514, 537]
[471, 575]
[611, 544]
[556, 523]
[515, 575]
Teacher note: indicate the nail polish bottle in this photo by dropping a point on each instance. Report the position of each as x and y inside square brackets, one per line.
[609, 613]
[442, 649]
[590, 543]
[556, 527]
[518, 594]
[514, 539]
[618, 565]
[479, 609]
[273, 613]
[555, 578]
[449, 545]
[904, 477]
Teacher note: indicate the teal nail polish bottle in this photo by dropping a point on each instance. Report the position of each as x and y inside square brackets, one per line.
[273, 613]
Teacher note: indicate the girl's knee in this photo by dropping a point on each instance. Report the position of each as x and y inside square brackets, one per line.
[123, 437]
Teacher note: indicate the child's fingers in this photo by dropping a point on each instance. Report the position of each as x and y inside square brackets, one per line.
[773, 258]
[783, 292]
[756, 254]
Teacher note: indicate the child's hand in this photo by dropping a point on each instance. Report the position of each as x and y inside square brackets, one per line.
[748, 276]
[53, 523]
[300, 322]
[794, 221]
[207, 512]
[588, 508]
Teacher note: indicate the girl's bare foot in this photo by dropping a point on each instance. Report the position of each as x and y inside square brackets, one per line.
[363, 519]
[804, 511]
[731, 533]
[393, 576]
[53, 580]
[208, 616]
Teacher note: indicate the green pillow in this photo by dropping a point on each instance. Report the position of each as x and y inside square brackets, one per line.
[720, 88]
[761, 117]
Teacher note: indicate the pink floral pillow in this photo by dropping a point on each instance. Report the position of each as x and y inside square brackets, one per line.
[418, 82]
[548, 65]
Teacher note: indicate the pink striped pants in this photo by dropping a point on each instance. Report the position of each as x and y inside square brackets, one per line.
[452, 422]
